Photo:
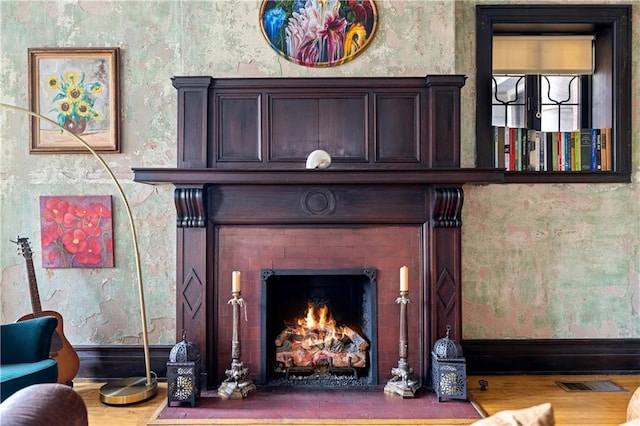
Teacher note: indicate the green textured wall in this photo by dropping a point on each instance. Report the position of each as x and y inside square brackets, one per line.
[539, 261]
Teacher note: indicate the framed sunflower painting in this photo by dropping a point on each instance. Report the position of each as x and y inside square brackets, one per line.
[318, 33]
[77, 89]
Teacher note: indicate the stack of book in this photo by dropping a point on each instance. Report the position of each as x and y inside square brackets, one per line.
[519, 149]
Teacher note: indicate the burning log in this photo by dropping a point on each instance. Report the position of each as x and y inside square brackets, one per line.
[358, 340]
[316, 341]
[317, 358]
[284, 337]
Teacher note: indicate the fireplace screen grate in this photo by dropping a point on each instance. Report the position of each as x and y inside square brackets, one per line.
[318, 327]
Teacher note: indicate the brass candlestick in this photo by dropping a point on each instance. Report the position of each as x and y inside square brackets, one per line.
[401, 383]
[237, 385]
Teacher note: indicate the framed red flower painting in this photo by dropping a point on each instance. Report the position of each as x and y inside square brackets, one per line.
[76, 231]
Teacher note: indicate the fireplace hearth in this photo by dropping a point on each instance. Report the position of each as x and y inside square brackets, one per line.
[244, 201]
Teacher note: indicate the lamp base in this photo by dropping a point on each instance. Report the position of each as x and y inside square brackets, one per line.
[128, 391]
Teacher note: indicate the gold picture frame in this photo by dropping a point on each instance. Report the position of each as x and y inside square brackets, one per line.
[78, 88]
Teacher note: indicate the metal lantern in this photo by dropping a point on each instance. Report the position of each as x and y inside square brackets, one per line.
[184, 372]
[449, 369]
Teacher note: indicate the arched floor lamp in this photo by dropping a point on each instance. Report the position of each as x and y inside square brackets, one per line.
[133, 389]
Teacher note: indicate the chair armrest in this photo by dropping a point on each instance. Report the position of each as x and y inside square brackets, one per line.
[26, 341]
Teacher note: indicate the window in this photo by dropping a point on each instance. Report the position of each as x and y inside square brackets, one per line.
[596, 95]
[540, 102]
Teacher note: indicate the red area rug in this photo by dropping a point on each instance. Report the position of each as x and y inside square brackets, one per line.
[369, 406]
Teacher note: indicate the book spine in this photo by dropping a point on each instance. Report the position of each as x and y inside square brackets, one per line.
[585, 150]
[501, 148]
[494, 136]
[507, 149]
[512, 149]
[598, 149]
[594, 149]
[576, 157]
[534, 143]
[560, 151]
[553, 142]
[607, 150]
[518, 158]
[566, 151]
[541, 141]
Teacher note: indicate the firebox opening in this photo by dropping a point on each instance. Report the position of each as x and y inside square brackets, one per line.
[338, 308]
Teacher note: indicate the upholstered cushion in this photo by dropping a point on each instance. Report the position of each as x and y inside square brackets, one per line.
[26, 341]
[24, 354]
[539, 415]
[633, 409]
[14, 377]
[50, 404]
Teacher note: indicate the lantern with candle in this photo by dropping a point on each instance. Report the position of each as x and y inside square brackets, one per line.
[448, 369]
[184, 371]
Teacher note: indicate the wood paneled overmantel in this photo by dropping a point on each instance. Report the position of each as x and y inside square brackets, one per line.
[242, 145]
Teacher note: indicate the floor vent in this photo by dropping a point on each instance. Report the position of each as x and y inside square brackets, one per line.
[591, 386]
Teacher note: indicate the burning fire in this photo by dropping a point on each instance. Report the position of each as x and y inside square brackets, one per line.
[318, 328]
[316, 340]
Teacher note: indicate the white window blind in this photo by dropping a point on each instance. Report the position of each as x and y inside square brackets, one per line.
[543, 54]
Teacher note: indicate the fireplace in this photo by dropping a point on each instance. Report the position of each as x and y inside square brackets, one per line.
[301, 262]
[244, 201]
[319, 327]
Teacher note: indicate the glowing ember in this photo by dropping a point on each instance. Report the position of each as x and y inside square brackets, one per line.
[315, 340]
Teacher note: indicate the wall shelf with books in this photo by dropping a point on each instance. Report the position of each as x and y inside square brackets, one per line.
[565, 148]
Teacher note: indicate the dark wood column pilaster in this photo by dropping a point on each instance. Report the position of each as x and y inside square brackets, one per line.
[194, 107]
[443, 94]
[194, 297]
[445, 269]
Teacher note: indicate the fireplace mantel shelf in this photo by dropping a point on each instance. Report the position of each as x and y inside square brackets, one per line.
[204, 176]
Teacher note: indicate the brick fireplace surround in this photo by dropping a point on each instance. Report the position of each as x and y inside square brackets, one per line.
[392, 197]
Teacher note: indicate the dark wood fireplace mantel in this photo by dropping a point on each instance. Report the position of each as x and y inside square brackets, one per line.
[181, 177]
[242, 147]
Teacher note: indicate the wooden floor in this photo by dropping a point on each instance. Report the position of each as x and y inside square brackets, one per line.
[126, 415]
[570, 408]
[503, 393]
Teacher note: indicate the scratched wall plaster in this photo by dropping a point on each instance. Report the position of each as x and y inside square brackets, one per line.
[539, 261]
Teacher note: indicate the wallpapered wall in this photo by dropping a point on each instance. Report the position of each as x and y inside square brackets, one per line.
[539, 261]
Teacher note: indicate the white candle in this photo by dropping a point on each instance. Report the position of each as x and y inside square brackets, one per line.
[404, 279]
[235, 282]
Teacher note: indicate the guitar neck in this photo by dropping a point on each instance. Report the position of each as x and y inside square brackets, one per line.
[33, 288]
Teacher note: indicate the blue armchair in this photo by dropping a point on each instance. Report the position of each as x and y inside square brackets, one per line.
[24, 354]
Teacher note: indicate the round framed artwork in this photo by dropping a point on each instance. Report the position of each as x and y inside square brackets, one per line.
[318, 33]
